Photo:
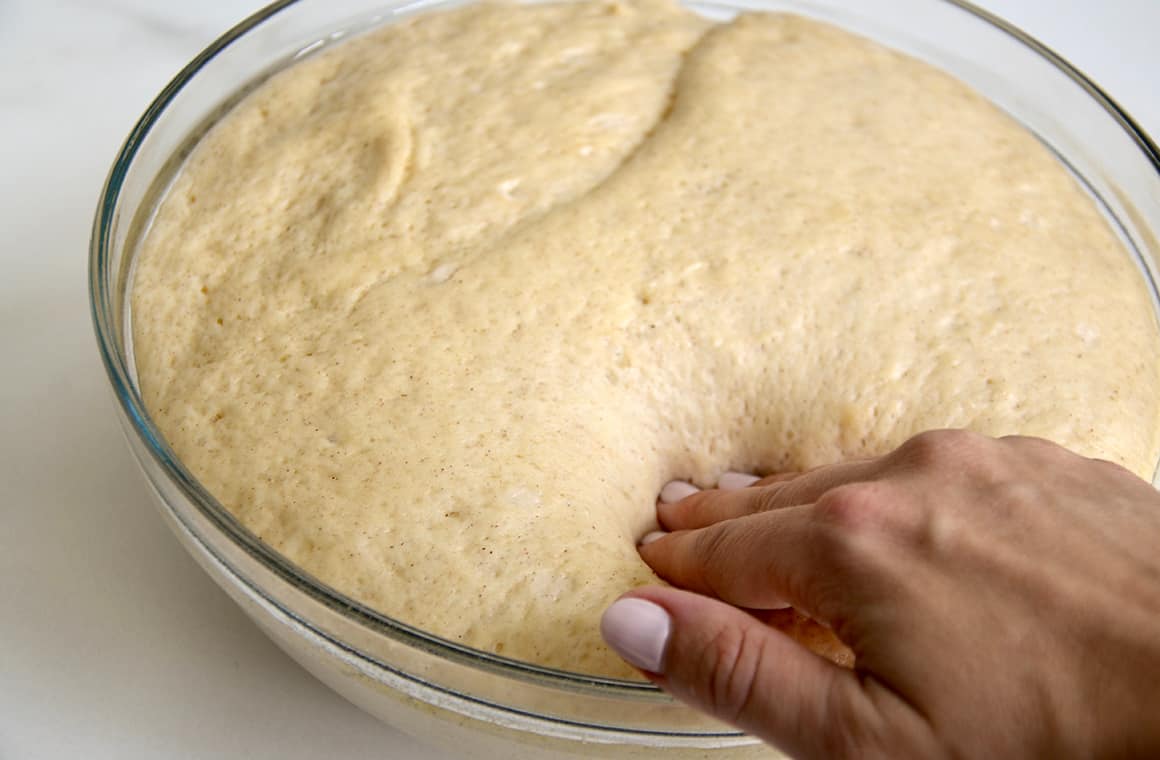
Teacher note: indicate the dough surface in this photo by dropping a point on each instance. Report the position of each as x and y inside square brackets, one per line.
[436, 312]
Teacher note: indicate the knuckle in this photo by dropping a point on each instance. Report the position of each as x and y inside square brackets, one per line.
[1011, 495]
[1031, 443]
[771, 497]
[713, 549]
[1039, 452]
[733, 664]
[1114, 469]
[937, 448]
[852, 508]
[1016, 502]
[939, 533]
[857, 523]
[781, 477]
[696, 507]
[711, 544]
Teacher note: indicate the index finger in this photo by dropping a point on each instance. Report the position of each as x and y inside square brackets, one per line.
[778, 492]
[757, 561]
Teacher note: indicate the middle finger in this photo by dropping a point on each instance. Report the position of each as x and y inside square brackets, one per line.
[706, 508]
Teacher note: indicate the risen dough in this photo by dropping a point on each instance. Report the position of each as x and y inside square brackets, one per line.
[437, 312]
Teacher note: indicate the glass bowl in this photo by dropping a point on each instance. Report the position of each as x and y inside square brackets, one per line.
[467, 700]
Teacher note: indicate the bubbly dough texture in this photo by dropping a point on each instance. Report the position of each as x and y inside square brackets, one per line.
[437, 312]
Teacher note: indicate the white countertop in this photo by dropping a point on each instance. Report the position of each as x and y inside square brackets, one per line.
[113, 643]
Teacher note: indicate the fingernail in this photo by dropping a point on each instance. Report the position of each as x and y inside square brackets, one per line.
[652, 536]
[676, 490]
[639, 632]
[732, 481]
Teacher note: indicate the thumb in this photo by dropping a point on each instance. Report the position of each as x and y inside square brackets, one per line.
[725, 662]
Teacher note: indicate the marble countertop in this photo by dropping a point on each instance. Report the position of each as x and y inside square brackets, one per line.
[113, 643]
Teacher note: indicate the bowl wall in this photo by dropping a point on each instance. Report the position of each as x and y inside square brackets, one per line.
[473, 702]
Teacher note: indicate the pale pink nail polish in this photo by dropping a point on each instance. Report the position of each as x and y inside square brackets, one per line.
[639, 632]
[676, 490]
[652, 536]
[732, 481]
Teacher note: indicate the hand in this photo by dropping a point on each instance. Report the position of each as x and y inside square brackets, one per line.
[1001, 597]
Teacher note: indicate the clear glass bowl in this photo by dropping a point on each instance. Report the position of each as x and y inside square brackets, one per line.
[435, 689]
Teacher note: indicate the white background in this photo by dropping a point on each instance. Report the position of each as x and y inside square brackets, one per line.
[113, 644]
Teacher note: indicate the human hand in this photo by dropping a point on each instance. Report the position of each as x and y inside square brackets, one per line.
[1001, 597]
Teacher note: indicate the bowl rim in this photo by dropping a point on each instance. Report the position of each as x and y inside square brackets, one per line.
[108, 324]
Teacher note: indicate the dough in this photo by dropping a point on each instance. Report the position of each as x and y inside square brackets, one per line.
[436, 312]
